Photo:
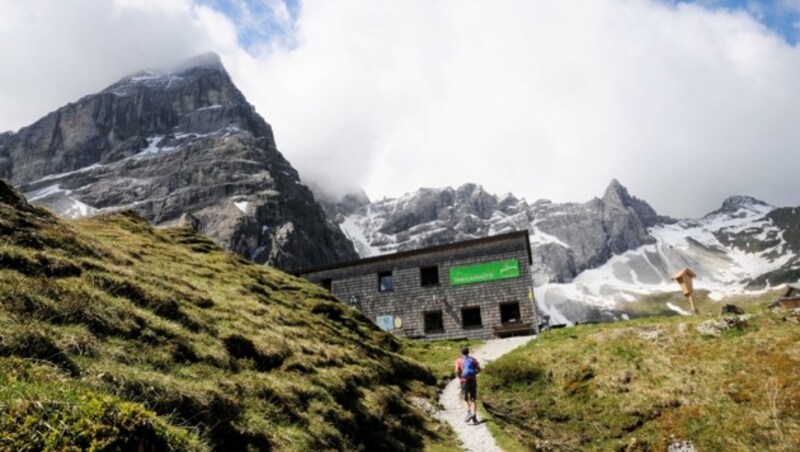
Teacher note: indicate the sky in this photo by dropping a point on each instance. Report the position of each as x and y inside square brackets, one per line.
[684, 102]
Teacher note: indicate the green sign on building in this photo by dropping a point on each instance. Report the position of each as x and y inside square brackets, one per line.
[489, 271]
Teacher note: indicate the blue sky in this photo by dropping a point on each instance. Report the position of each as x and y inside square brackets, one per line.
[258, 21]
[781, 16]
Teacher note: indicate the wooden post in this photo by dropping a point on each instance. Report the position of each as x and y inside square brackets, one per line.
[694, 306]
[684, 279]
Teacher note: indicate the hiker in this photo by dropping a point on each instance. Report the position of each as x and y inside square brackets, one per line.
[467, 369]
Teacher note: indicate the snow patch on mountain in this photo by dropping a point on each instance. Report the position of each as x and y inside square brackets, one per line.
[50, 190]
[723, 269]
[539, 237]
[242, 205]
[60, 199]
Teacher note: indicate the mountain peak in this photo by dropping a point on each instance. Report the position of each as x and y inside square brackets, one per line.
[738, 202]
[617, 194]
[200, 66]
[169, 143]
[209, 60]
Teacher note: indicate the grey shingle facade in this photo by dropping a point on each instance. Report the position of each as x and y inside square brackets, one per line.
[450, 309]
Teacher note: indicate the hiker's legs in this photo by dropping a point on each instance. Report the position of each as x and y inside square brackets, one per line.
[474, 401]
[470, 394]
[465, 397]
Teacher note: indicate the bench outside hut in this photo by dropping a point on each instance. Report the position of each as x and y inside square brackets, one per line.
[790, 298]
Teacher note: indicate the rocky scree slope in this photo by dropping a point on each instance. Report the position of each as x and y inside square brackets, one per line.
[167, 144]
[596, 260]
[118, 335]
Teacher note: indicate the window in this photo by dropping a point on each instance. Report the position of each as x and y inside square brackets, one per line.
[429, 276]
[471, 317]
[433, 322]
[326, 283]
[509, 312]
[385, 282]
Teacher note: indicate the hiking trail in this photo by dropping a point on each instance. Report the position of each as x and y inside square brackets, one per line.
[475, 437]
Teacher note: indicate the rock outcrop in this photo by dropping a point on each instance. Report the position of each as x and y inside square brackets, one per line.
[591, 233]
[169, 143]
[566, 238]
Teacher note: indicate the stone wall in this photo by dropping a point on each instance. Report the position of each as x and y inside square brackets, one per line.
[358, 284]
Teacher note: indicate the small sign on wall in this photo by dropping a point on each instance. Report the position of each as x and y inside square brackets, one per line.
[385, 322]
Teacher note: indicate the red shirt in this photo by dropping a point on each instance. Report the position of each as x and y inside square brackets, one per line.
[460, 366]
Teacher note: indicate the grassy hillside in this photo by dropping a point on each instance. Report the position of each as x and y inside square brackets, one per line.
[117, 335]
[643, 384]
[655, 304]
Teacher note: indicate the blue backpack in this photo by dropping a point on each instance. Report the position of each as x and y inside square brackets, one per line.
[469, 367]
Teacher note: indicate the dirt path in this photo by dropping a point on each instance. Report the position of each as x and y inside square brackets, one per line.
[475, 437]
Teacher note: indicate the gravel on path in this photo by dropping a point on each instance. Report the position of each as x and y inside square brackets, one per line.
[475, 437]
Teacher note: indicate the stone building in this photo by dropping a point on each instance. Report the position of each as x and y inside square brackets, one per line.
[472, 289]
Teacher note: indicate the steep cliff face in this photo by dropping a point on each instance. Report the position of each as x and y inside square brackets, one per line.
[5, 158]
[169, 143]
[590, 234]
[429, 217]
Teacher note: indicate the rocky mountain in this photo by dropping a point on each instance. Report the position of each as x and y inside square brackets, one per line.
[566, 238]
[592, 261]
[167, 144]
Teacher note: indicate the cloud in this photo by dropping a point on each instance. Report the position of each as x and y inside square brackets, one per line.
[684, 103]
[54, 52]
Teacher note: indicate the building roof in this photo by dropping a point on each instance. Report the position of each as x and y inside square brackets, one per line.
[685, 271]
[791, 288]
[421, 251]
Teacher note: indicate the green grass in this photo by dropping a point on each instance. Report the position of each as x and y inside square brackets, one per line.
[504, 440]
[111, 325]
[43, 408]
[656, 304]
[439, 357]
[637, 384]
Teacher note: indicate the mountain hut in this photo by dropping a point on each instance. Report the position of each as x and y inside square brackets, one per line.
[476, 289]
[791, 298]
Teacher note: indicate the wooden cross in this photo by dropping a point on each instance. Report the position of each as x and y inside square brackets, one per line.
[684, 279]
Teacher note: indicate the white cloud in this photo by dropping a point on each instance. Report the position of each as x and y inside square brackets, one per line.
[54, 52]
[544, 99]
[685, 105]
